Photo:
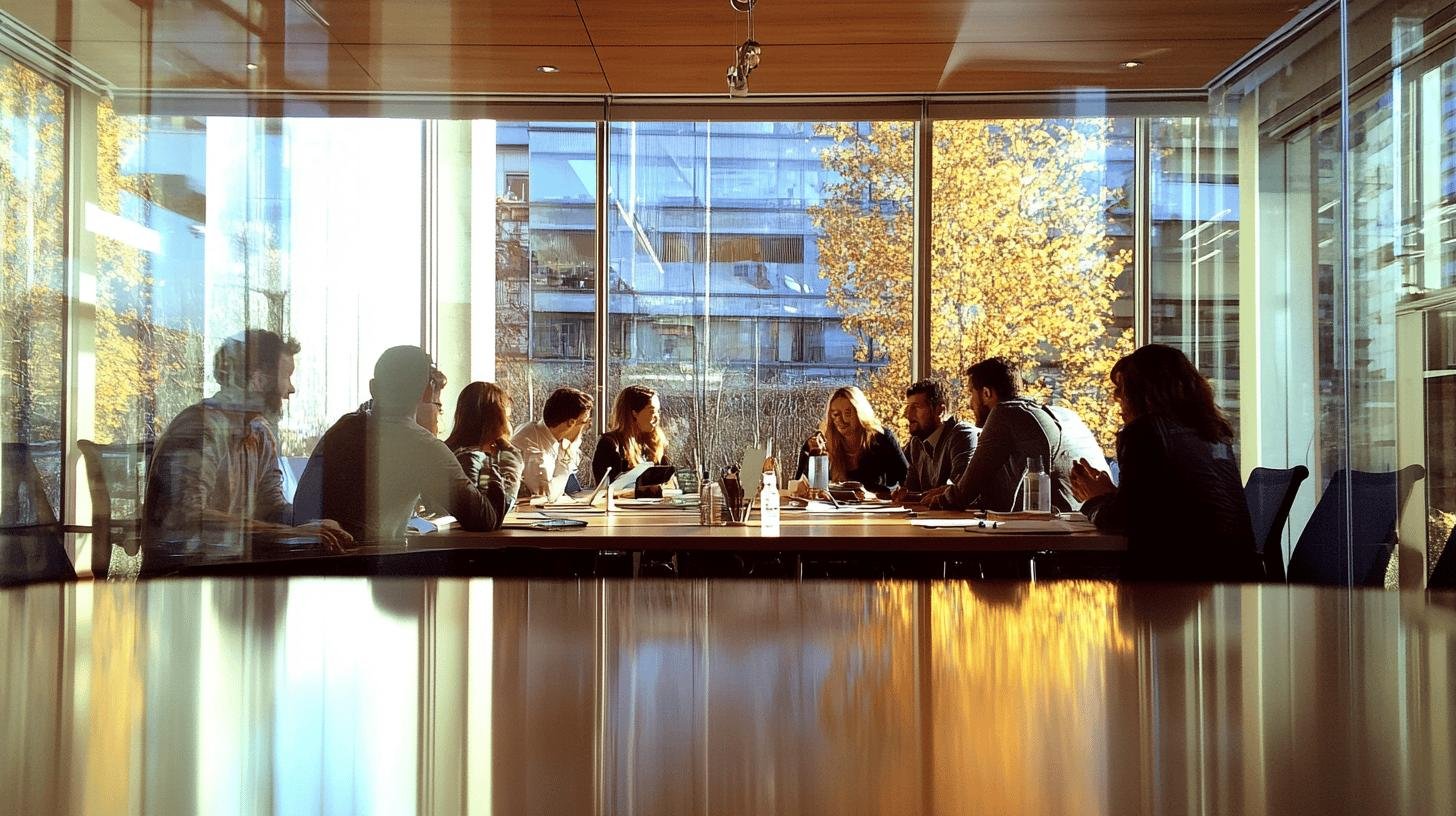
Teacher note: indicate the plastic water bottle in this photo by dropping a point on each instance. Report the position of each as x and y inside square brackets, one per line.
[1036, 487]
[768, 503]
[710, 502]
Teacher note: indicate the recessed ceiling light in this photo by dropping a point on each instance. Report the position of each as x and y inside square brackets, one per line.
[547, 69]
[1133, 64]
[252, 66]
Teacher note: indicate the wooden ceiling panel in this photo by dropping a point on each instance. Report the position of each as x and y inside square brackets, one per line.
[977, 67]
[708, 22]
[921, 68]
[79, 19]
[454, 22]
[268, 21]
[223, 66]
[660, 46]
[481, 68]
[786, 69]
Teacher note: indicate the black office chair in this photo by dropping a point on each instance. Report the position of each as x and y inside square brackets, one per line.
[1270, 493]
[1321, 555]
[32, 542]
[117, 478]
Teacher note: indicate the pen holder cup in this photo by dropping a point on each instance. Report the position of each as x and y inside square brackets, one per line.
[735, 515]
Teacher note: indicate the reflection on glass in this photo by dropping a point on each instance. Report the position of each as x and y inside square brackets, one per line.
[750, 273]
[32, 283]
[545, 263]
[1194, 265]
[1031, 255]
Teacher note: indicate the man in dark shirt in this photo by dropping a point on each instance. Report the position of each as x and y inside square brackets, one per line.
[214, 480]
[1013, 430]
[378, 465]
[940, 444]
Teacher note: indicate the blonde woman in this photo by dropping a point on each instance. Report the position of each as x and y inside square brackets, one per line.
[634, 436]
[481, 438]
[860, 447]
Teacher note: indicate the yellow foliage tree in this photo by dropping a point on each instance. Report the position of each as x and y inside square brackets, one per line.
[1022, 263]
[135, 356]
[32, 252]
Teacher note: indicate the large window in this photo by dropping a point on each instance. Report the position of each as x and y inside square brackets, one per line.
[753, 268]
[1031, 255]
[32, 276]
[1193, 268]
[545, 260]
[210, 226]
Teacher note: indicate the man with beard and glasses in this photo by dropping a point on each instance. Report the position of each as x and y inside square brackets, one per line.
[940, 444]
[214, 480]
[1013, 430]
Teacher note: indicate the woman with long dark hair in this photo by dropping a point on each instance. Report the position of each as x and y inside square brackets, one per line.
[1180, 499]
[481, 438]
[634, 436]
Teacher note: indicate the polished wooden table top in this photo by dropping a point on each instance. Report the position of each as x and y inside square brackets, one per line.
[226, 696]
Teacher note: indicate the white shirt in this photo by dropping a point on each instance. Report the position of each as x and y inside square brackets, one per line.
[549, 461]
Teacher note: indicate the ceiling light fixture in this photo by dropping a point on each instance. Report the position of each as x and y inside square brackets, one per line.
[1133, 64]
[547, 69]
[746, 56]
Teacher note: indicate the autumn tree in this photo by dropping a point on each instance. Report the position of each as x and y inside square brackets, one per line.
[32, 257]
[146, 372]
[1022, 262]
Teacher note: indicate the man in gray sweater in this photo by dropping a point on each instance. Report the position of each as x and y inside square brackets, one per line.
[378, 465]
[1013, 430]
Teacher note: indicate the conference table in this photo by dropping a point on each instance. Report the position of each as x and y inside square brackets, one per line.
[874, 535]
[447, 695]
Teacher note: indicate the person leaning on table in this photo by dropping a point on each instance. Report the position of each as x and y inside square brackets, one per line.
[480, 438]
[551, 446]
[860, 448]
[1180, 500]
[635, 437]
[1013, 430]
[941, 444]
[378, 466]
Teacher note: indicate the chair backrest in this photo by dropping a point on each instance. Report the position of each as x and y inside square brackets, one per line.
[1270, 493]
[32, 542]
[1320, 556]
[116, 476]
[1444, 574]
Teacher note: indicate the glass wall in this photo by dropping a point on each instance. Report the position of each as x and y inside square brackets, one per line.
[32, 287]
[1032, 255]
[755, 267]
[545, 261]
[215, 225]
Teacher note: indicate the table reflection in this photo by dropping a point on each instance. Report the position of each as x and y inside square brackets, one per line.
[407, 695]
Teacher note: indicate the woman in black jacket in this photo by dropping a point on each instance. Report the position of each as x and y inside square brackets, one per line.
[1180, 500]
[860, 448]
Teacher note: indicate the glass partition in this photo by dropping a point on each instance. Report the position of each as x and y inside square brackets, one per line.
[1032, 257]
[755, 267]
[32, 287]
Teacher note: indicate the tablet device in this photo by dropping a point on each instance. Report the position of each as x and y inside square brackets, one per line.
[558, 524]
[656, 475]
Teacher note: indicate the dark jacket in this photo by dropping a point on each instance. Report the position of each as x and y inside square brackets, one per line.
[882, 465]
[1181, 503]
[374, 470]
[610, 455]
